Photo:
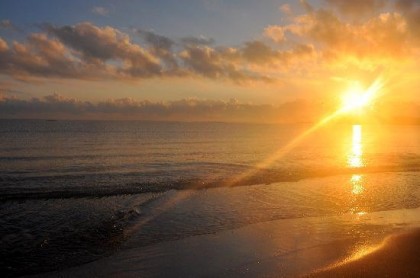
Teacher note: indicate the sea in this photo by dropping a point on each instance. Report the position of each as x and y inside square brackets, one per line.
[74, 192]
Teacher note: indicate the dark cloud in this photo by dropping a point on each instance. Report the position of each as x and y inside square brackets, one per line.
[56, 106]
[204, 60]
[197, 41]
[217, 63]
[258, 52]
[155, 40]
[161, 47]
[59, 107]
[99, 45]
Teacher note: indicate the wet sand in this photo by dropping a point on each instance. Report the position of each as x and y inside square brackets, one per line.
[283, 248]
[397, 256]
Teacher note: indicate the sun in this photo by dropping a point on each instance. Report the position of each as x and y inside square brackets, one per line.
[356, 97]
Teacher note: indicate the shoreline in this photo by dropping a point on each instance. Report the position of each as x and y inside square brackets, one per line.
[397, 256]
[281, 248]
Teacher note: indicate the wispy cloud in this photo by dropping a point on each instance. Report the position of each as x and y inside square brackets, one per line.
[8, 25]
[100, 10]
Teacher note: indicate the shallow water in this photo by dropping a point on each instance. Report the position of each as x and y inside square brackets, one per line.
[75, 191]
[279, 248]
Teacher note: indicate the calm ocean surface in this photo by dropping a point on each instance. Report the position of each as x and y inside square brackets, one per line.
[74, 191]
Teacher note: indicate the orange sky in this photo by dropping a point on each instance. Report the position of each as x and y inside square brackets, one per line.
[296, 69]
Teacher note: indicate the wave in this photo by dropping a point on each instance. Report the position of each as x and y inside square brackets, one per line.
[62, 233]
[19, 186]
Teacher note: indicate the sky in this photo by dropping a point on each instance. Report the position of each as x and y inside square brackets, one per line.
[216, 60]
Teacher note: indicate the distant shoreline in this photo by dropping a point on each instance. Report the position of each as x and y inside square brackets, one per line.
[409, 122]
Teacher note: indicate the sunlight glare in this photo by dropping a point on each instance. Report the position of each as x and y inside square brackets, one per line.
[356, 97]
[357, 185]
[355, 157]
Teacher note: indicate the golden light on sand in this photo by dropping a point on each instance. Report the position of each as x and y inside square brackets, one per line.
[359, 253]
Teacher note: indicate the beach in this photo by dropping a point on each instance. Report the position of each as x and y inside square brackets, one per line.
[201, 200]
[210, 138]
[381, 244]
[397, 256]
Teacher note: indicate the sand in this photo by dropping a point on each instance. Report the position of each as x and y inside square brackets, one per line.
[314, 246]
[397, 256]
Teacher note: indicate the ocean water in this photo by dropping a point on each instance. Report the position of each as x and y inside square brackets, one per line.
[75, 191]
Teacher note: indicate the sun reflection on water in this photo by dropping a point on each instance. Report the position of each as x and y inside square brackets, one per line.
[355, 156]
[357, 184]
[355, 160]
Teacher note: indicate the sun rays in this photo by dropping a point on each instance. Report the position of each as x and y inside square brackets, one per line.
[363, 99]
[356, 97]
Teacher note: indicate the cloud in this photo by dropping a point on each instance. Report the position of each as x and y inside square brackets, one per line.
[384, 36]
[260, 54]
[159, 41]
[3, 46]
[155, 40]
[100, 10]
[306, 5]
[6, 24]
[40, 56]
[410, 10]
[87, 51]
[99, 46]
[192, 109]
[285, 9]
[275, 32]
[211, 63]
[161, 47]
[202, 40]
[315, 42]
[357, 7]
[56, 106]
